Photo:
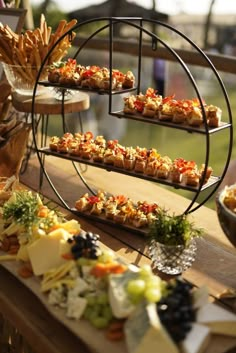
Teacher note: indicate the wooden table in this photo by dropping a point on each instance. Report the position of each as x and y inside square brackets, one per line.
[46, 103]
[214, 266]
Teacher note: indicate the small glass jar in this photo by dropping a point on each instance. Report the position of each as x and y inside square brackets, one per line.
[172, 259]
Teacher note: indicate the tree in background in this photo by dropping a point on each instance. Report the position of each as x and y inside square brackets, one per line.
[208, 25]
[51, 11]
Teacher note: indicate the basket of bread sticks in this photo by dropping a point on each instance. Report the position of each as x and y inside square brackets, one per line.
[23, 54]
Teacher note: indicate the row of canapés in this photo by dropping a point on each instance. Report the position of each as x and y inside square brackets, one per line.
[69, 73]
[119, 209]
[179, 111]
[139, 159]
[150, 104]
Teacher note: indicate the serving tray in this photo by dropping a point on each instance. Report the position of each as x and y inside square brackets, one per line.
[81, 328]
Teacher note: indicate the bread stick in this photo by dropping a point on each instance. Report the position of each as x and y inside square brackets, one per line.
[5, 48]
[38, 33]
[69, 25]
[20, 72]
[21, 43]
[28, 50]
[45, 33]
[60, 29]
[49, 30]
[28, 40]
[4, 58]
[42, 21]
[20, 57]
[11, 33]
[37, 57]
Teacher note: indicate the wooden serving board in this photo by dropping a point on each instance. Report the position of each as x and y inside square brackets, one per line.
[85, 331]
[81, 328]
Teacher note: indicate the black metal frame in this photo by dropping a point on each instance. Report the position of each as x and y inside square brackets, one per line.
[111, 21]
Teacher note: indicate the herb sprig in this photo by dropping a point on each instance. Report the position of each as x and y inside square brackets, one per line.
[173, 229]
[22, 208]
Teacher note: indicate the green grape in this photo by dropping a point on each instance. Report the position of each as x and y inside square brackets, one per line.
[88, 312]
[153, 295]
[82, 261]
[107, 312]
[136, 287]
[102, 298]
[153, 282]
[99, 322]
[91, 299]
[106, 256]
[145, 271]
[92, 262]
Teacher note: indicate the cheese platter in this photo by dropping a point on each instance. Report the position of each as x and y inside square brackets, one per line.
[89, 289]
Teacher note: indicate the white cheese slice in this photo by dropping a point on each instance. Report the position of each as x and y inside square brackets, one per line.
[196, 340]
[219, 320]
[145, 334]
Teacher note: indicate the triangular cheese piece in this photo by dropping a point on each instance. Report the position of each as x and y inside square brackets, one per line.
[196, 340]
[145, 333]
[44, 254]
[220, 320]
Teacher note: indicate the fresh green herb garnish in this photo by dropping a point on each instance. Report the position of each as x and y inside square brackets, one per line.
[22, 208]
[173, 229]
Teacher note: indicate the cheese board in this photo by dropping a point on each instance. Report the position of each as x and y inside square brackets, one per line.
[88, 287]
[150, 337]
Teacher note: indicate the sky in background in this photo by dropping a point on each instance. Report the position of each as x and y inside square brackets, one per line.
[168, 6]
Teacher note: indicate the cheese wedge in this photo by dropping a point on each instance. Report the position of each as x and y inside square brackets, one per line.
[197, 339]
[121, 305]
[76, 307]
[219, 320]
[46, 252]
[145, 333]
[72, 224]
[22, 253]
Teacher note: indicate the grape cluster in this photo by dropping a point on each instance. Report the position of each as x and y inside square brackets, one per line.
[176, 311]
[98, 310]
[85, 245]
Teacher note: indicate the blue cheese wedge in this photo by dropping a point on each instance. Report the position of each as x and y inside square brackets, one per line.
[76, 307]
[120, 303]
[145, 333]
[219, 320]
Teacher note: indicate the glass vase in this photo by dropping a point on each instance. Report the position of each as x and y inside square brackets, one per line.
[172, 259]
